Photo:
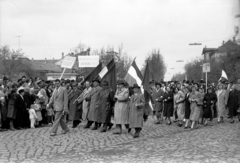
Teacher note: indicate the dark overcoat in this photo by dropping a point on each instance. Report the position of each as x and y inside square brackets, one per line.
[168, 104]
[11, 110]
[75, 108]
[233, 103]
[105, 106]
[209, 105]
[187, 106]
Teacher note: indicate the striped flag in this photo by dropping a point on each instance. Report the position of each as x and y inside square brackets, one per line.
[94, 73]
[106, 69]
[224, 77]
[110, 76]
[134, 75]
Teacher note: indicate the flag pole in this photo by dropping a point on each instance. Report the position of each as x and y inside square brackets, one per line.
[63, 73]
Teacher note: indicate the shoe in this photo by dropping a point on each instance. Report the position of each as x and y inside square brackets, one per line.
[65, 131]
[53, 134]
[232, 121]
[135, 136]
[185, 127]
[179, 125]
[169, 123]
[95, 128]
[110, 126]
[103, 130]
[156, 123]
[87, 126]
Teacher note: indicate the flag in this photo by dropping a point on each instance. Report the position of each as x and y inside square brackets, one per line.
[134, 75]
[105, 70]
[146, 87]
[94, 73]
[110, 76]
[224, 77]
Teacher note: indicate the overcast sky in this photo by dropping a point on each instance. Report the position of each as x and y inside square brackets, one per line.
[50, 27]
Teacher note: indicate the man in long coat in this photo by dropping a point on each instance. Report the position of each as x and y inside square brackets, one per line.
[136, 112]
[84, 96]
[105, 106]
[75, 108]
[94, 100]
[121, 109]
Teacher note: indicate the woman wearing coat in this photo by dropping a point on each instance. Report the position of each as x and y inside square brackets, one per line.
[12, 111]
[179, 98]
[194, 98]
[233, 102]
[200, 103]
[222, 99]
[209, 102]
[105, 106]
[168, 104]
[136, 112]
[121, 108]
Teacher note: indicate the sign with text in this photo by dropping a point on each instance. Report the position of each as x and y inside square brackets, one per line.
[68, 62]
[206, 67]
[88, 61]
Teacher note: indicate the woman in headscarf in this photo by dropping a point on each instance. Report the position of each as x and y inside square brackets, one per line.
[209, 102]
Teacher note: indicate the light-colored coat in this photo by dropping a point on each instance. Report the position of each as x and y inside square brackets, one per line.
[121, 108]
[136, 112]
[179, 103]
[59, 100]
[85, 106]
[94, 103]
[159, 100]
[222, 99]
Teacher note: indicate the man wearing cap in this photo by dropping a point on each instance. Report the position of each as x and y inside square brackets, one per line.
[121, 110]
[75, 108]
[59, 101]
[136, 112]
[105, 107]
[94, 99]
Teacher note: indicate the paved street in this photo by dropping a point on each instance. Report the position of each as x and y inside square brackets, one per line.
[157, 143]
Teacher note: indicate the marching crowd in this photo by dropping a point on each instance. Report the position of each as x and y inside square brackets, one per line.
[30, 103]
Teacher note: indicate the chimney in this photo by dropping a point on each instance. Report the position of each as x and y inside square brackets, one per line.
[32, 59]
[88, 51]
[234, 39]
[62, 55]
[45, 60]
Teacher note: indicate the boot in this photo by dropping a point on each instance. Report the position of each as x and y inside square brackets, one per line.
[75, 123]
[89, 123]
[104, 129]
[11, 126]
[127, 127]
[95, 126]
[119, 127]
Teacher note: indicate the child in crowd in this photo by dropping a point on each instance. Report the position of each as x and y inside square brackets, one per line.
[50, 114]
[37, 108]
[32, 115]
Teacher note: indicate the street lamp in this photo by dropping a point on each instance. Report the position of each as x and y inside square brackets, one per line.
[195, 43]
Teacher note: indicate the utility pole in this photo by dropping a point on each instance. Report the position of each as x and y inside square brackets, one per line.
[19, 41]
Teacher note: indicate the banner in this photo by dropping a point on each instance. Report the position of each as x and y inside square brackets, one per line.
[88, 61]
[68, 62]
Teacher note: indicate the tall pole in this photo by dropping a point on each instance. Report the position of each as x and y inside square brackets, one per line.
[19, 41]
[206, 81]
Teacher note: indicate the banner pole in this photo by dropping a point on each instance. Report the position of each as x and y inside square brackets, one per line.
[62, 73]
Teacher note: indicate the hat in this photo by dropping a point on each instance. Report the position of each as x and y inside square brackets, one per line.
[74, 84]
[37, 82]
[105, 83]
[157, 83]
[5, 78]
[96, 80]
[21, 90]
[135, 86]
[152, 82]
[120, 82]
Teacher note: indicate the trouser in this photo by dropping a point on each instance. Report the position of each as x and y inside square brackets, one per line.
[32, 121]
[49, 119]
[59, 120]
